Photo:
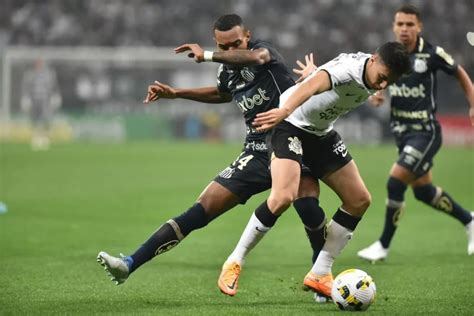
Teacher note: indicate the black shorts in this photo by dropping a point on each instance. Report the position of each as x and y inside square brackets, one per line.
[321, 154]
[416, 150]
[249, 174]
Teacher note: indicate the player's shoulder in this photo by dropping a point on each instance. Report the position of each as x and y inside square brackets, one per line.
[350, 58]
[258, 43]
[424, 46]
[434, 50]
[349, 62]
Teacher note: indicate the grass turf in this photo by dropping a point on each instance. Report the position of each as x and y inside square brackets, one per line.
[68, 203]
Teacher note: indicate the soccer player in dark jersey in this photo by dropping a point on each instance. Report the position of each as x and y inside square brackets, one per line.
[254, 75]
[417, 132]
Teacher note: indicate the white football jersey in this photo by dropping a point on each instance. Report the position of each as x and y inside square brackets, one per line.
[318, 114]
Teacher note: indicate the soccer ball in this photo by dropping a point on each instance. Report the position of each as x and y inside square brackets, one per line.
[353, 290]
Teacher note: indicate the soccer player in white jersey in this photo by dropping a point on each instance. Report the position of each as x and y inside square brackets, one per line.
[303, 133]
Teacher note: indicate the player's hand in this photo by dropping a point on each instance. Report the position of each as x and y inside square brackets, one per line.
[196, 51]
[305, 70]
[377, 99]
[267, 120]
[159, 90]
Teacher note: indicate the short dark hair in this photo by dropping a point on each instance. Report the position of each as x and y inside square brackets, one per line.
[410, 9]
[395, 56]
[227, 22]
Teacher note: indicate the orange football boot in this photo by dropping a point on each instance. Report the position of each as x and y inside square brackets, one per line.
[321, 284]
[229, 278]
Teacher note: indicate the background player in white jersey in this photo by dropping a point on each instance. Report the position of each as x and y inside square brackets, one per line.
[417, 132]
[306, 136]
[253, 74]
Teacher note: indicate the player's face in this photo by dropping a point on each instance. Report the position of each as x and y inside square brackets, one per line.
[378, 76]
[406, 28]
[235, 38]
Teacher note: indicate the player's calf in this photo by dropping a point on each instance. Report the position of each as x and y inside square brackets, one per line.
[442, 201]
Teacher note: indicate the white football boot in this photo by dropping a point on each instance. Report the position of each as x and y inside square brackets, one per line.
[116, 268]
[374, 252]
[470, 236]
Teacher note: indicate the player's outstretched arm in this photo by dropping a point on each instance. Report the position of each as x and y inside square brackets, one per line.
[468, 88]
[159, 90]
[315, 84]
[238, 57]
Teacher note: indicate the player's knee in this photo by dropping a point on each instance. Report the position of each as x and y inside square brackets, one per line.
[425, 193]
[363, 200]
[358, 203]
[281, 200]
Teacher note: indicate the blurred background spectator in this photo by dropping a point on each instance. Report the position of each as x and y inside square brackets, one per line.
[40, 98]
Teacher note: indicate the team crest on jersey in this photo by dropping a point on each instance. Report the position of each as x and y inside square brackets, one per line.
[420, 65]
[247, 74]
[295, 145]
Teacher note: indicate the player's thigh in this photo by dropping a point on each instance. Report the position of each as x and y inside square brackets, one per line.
[347, 183]
[246, 176]
[286, 156]
[217, 199]
[285, 182]
[416, 153]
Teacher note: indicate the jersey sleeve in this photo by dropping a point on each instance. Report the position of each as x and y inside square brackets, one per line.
[444, 61]
[339, 72]
[222, 79]
[274, 55]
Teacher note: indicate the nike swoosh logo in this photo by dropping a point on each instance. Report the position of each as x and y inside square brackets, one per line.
[232, 285]
[344, 154]
[262, 231]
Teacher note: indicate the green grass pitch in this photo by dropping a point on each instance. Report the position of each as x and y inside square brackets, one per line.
[66, 204]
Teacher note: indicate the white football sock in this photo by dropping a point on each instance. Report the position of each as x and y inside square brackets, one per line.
[253, 233]
[337, 238]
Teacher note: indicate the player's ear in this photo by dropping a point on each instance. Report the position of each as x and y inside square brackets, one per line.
[373, 58]
[248, 35]
[420, 26]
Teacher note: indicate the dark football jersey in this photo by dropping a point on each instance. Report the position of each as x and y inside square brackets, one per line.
[413, 96]
[256, 88]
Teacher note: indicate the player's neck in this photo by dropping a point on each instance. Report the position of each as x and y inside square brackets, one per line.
[411, 47]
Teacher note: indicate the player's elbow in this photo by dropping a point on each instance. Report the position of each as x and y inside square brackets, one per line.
[261, 56]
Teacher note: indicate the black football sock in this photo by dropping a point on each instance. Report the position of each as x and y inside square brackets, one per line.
[395, 203]
[314, 220]
[169, 235]
[265, 216]
[345, 219]
[442, 201]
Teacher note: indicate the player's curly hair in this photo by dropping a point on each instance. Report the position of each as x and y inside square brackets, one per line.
[396, 57]
[227, 22]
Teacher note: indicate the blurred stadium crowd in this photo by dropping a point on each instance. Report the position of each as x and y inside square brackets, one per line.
[326, 27]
